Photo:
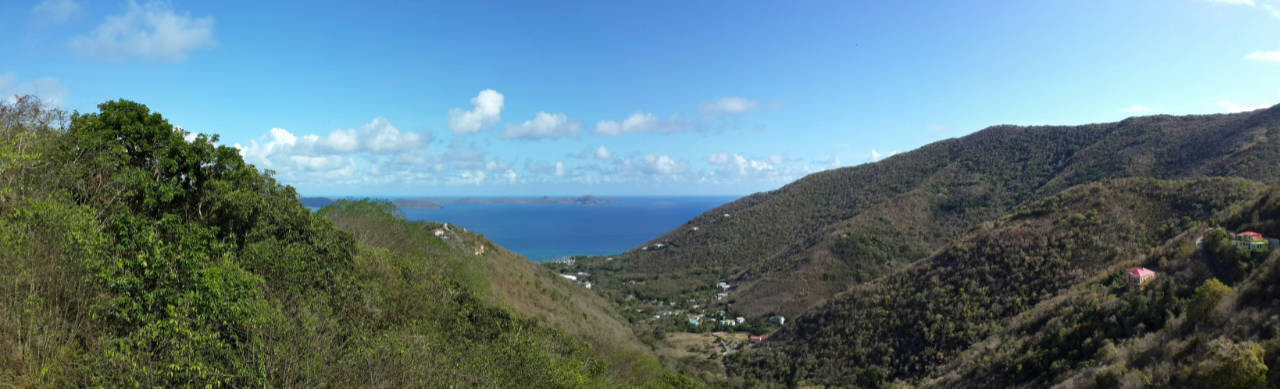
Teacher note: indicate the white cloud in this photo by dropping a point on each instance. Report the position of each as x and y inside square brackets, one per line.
[544, 126]
[48, 89]
[486, 109]
[662, 164]
[1137, 109]
[1264, 56]
[56, 11]
[151, 31]
[736, 164]
[379, 136]
[729, 106]
[602, 153]
[638, 122]
[559, 169]
[1233, 2]
[1231, 107]
[339, 156]
[876, 155]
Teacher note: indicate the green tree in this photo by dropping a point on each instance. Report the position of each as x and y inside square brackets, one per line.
[1206, 299]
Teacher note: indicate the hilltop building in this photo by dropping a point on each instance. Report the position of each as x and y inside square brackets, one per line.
[1140, 276]
[1251, 242]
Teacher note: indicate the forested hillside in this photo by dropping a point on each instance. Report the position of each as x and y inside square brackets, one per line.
[906, 325]
[789, 250]
[130, 256]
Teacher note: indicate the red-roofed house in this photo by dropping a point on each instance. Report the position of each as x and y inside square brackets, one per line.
[1139, 276]
[759, 338]
[1252, 242]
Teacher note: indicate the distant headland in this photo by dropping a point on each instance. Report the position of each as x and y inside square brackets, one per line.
[430, 202]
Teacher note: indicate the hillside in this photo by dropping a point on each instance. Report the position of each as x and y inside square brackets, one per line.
[789, 250]
[506, 279]
[907, 324]
[130, 256]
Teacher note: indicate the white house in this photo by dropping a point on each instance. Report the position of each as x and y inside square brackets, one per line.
[569, 277]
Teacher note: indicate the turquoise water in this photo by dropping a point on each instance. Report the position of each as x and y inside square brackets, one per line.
[549, 231]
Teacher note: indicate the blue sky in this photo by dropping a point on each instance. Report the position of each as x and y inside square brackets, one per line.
[610, 98]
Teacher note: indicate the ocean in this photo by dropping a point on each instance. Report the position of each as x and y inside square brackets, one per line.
[549, 231]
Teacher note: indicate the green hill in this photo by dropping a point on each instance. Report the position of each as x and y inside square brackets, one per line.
[980, 292]
[789, 250]
[132, 257]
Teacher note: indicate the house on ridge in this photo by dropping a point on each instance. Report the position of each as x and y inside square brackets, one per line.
[1140, 276]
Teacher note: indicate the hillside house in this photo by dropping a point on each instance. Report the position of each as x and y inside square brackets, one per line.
[694, 229]
[728, 323]
[479, 248]
[1251, 242]
[759, 338]
[778, 319]
[723, 285]
[438, 232]
[1140, 276]
[569, 277]
[740, 319]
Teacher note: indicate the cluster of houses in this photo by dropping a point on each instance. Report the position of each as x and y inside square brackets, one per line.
[580, 278]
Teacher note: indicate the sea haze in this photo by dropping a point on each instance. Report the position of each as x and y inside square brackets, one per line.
[548, 231]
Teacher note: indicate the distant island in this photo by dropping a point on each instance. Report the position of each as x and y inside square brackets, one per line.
[428, 203]
[580, 200]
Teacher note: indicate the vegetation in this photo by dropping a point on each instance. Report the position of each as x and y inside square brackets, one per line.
[904, 325]
[130, 256]
[790, 250]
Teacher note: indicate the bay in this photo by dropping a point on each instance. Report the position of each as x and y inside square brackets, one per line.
[549, 231]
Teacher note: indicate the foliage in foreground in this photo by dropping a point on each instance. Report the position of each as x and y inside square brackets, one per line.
[130, 256]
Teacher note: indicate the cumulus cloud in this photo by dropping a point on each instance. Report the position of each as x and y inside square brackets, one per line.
[559, 169]
[486, 109]
[56, 11]
[729, 106]
[544, 126]
[738, 165]
[638, 122]
[48, 89]
[602, 153]
[662, 164]
[379, 136]
[1264, 56]
[152, 31]
[337, 156]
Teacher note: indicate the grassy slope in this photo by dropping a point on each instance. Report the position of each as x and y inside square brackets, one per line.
[516, 283]
[791, 249]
